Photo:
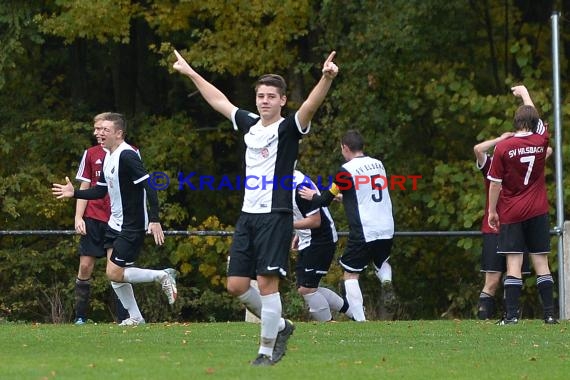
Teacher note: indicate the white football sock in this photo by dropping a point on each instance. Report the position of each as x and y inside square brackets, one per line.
[270, 317]
[354, 297]
[334, 300]
[138, 275]
[125, 293]
[384, 274]
[318, 306]
[252, 300]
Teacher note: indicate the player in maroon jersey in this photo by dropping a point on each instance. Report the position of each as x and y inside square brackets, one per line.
[91, 219]
[521, 210]
[492, 264]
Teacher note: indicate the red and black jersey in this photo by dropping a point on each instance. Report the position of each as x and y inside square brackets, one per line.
[518, 164]
[90, 169]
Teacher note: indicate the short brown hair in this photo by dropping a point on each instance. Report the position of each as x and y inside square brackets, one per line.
[118, 120]
[272, 80]
[527, 118]
[353, 140]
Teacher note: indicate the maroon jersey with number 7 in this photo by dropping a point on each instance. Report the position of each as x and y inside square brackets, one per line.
[518, 164]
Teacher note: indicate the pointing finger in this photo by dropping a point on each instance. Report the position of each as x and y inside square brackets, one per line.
[330, 58]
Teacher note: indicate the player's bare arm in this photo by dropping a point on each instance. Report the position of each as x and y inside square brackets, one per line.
[80, 206]
[317, 95]
[215, 98]
[311, 221]
[482, 148]
[494, 190]
[522, 92]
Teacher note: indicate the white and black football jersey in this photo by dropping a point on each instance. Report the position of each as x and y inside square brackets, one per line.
[367, 203]
[326, 233]
[270, 156]
[123, 172]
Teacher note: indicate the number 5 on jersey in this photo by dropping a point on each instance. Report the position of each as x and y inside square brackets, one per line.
[377, 186]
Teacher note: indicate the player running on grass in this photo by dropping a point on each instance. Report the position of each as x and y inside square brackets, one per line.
[125, 179]
[91, 219]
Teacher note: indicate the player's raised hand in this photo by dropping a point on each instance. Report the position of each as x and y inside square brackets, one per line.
[181, 65]
[63, 191]
[522, 92]
[519, 91]
[330, 69]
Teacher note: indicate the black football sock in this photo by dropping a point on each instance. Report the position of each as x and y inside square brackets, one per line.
[545, 285]
[486, 308]
[513, 288]
[82, 294]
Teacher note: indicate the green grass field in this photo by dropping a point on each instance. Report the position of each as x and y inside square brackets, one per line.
[345, 350]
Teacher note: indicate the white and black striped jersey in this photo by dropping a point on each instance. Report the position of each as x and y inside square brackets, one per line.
[125, 180]
[364, 186]
[123, 173]
[326, 233]
[368, 207]
[269, 161]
